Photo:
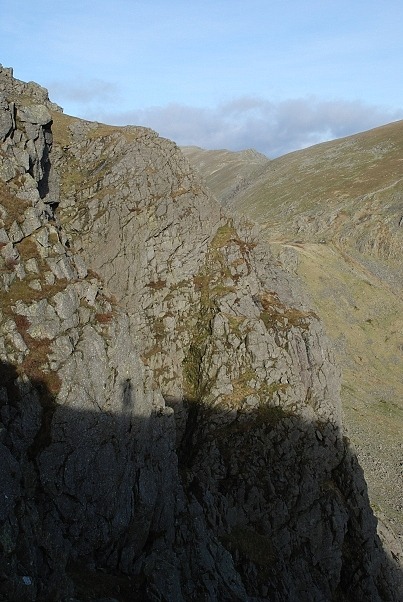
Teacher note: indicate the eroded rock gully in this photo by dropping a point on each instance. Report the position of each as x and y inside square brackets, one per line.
[170, 418]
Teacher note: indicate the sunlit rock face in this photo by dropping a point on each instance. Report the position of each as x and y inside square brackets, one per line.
[170, 415]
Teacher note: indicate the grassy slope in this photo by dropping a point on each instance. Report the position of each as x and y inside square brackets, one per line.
[336, 208]
[364, 318]
[327, 176]
[226, 173]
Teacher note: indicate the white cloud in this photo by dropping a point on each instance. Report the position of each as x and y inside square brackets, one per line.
[83, 92]
[271, 128]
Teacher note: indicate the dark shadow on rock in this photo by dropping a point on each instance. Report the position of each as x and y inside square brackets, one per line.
[68, 496]
[43, 184]
[290, 502]
[262, 507]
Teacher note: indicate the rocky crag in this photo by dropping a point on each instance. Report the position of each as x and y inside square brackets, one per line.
[332, 213]
[170, 414]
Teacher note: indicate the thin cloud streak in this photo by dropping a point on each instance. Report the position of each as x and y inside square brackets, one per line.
[271, 128]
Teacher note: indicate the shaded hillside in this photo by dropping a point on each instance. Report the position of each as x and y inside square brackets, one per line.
[170, 415]
[333, 214]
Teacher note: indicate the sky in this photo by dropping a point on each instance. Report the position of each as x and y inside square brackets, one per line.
[271, 75]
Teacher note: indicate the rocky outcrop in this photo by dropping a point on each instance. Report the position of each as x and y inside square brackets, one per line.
[170, 420]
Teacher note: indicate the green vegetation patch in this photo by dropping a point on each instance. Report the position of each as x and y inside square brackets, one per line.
[195, 385]
[276, 315]
[210, 284]
[35, 363]
[223, 236]
[241, 389]
[252, 546]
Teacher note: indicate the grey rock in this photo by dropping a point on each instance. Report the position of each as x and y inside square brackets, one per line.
[66, 303]
[6, 121]
[31, 265]
[17, 341]
[42, 237]
[3, 237]
[36, 114]
[7, 169]
[35, 285]
[21, 157]
[15, 233]
[80, 266]
[31, 221]
[29, 194]
[44, 322]
[9, 253]
[62, 267]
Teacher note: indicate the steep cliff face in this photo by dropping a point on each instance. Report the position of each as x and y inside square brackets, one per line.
[170, 412]
[78, 437]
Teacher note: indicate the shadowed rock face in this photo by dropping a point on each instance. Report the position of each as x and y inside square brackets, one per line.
[170, 419]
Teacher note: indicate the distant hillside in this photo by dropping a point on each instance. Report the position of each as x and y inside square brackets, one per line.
[348, 190]
[227, 173]
[334, 215]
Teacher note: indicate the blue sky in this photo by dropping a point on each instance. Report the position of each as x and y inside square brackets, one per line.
[271, 75]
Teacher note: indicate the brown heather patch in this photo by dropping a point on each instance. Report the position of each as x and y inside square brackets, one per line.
[102, 130]
[60, 128]
[35, 363]
[223, 236]
[37, 357]
[149, 353]
[14, 207]
[20, 291]
[277, 315]
[227, 234]
[245, 247]
[179, 192]
[92, 274]
[157, 285]
[35, 366]
[110, 298]
[104, 318]
[22, 323]
[200, 281]
[241, 390]
[10, 264]
[27, 248]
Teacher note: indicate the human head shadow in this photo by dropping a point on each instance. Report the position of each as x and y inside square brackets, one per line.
[126, 393]
[83, 493]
